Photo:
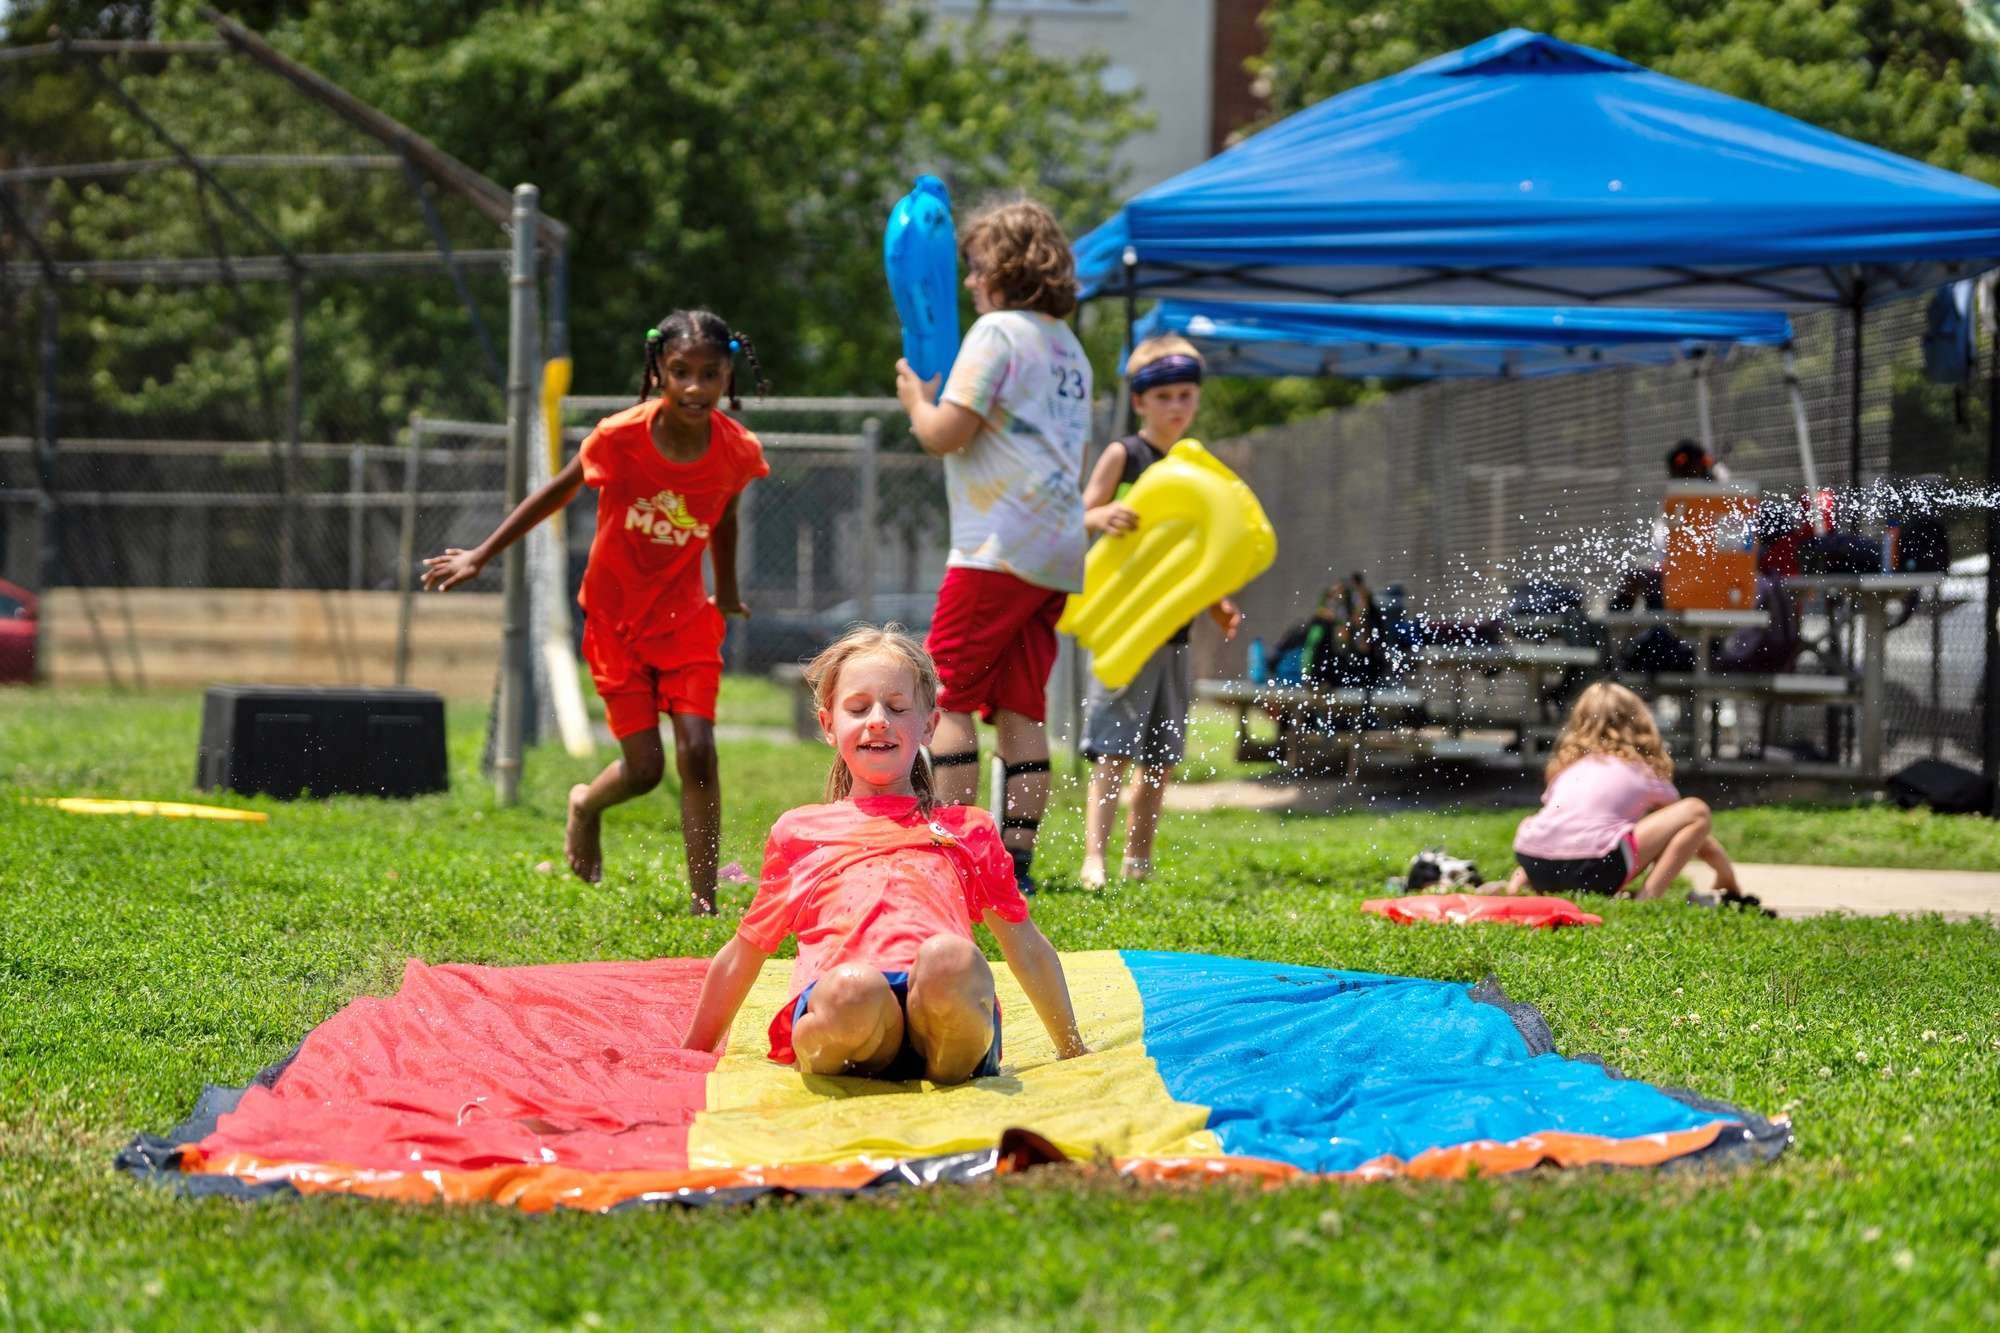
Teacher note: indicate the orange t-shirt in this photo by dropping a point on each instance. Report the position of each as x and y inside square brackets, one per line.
[643, 582]
[869, 880]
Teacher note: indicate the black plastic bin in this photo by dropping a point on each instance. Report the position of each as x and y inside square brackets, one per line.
[289, 740]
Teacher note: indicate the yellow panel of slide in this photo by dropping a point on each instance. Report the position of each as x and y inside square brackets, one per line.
[1201, 536]
[1111, 1102]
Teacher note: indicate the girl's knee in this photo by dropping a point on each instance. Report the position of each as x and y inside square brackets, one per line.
[644, 771]
[695, 761]
[848, 989]
[1698, 811]
[949, 957]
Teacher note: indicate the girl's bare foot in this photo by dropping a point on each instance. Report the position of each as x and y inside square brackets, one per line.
[1091, 874]
[581, 847]
[1137, 869]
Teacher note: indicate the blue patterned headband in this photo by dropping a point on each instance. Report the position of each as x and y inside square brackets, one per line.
[1175, 369]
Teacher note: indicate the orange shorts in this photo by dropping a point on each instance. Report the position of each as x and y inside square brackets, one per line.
[635, 692]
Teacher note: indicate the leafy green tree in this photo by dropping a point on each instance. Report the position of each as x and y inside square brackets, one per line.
[741, 157]
[737, 157]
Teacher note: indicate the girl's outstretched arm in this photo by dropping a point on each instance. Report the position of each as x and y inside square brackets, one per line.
[456, 566]
[1035, 965]
[723, 991]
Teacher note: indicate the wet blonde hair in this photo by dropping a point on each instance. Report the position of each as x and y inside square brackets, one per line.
[1610, 719]
[1166, 344]
[823, 678]
[1024, 254]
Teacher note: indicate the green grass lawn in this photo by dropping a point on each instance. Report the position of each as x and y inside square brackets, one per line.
[142, 958]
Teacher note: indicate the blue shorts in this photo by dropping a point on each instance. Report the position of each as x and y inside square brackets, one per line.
[909, 1062]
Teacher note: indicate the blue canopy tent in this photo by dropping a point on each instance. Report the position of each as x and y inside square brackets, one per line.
[1526, 170]
[1523, 170]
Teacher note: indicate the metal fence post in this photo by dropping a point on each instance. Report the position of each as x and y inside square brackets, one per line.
[871, 485]
[406, 551]
[290, 510]
[357, 498]
[521, 359]
[48, 558]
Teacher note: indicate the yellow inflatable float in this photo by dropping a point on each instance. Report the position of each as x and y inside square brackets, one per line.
[1201, 536]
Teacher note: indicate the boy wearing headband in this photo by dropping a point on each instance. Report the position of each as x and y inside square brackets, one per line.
[1146, 722]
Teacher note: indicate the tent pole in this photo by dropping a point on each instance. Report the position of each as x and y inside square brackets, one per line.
[1990, 764]
[1854, 401]
[1703, 407]
[1121, 411]
[1804, 432]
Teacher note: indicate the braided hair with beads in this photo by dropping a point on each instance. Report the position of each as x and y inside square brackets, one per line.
[703, 329]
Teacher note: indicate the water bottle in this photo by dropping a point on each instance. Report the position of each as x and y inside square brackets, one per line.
[1260, 663]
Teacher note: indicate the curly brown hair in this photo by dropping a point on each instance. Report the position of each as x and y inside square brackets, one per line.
[1610, 719]
[1021, 248]
[823, 679]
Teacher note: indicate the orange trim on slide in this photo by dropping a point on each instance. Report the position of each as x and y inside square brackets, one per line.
[537, 1189]
[532, 1189]
[1492, 1159]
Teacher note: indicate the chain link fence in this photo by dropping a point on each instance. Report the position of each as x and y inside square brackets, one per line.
[1461, 491]
[224, 287]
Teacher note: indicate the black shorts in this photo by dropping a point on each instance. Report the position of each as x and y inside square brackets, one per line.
[1588, 874]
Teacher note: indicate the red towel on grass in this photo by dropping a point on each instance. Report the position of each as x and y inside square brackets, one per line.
[1458, 909]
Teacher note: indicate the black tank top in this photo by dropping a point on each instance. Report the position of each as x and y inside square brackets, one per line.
[1140, 455]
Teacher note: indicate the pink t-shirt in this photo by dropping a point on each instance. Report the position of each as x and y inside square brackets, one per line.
[1590, 806]
[868, 881]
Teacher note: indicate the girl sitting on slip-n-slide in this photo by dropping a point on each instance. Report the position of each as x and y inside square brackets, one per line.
[882, 886]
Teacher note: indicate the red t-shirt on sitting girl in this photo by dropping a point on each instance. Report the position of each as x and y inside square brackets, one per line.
[868, 881]
[654, 517]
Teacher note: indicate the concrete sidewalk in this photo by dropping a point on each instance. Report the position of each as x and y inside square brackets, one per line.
[1957, 895]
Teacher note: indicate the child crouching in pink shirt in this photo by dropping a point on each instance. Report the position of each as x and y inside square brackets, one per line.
[882, 886]
[1610, 810]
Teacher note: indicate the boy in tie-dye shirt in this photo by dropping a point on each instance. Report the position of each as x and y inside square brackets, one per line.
[1011, 426]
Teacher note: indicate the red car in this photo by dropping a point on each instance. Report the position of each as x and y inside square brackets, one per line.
[17, 635]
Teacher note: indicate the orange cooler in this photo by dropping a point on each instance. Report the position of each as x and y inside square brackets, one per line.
[1711, 547]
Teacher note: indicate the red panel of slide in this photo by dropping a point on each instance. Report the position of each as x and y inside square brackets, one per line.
[466, 1067]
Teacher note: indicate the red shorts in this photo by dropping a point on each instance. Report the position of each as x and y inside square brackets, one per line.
[635, 691]
[994, 639]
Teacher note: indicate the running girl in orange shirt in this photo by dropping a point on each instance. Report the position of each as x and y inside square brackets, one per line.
[668, 473]
[882, 886]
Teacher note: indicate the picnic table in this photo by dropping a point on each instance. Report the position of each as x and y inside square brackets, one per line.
[1457, 663]
[1438, 694]
[1872, 593]
[1306, 717]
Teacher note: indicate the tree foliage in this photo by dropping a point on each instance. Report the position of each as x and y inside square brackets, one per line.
[739, 157]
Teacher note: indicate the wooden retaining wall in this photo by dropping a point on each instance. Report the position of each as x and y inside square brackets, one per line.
[153, 638]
